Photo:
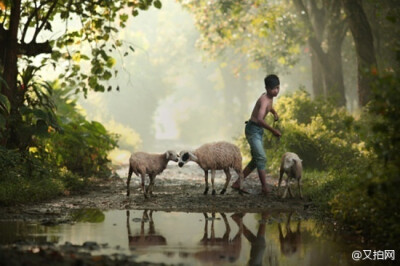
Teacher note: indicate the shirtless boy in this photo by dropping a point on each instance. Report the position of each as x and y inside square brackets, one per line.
[254, 131]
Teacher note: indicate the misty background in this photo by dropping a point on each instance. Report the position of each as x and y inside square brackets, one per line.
[172, 96]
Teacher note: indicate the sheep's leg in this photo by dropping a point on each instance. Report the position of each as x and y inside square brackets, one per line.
[205, 234]
[227, 227]
[151, 185]
[228, 178]
[129, 181]
[280, 179]
[290, 190]
[287, 188]
[206, 181]
[212, 181]
[212, 234]
[143, 176]
[299, 185]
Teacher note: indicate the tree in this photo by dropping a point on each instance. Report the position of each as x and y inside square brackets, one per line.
[327, 28]
[272, 34]
[364, 41]
[87, 23]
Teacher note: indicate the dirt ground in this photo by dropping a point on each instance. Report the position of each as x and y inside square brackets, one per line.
[174, 190]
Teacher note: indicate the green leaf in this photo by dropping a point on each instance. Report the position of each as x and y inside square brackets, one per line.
[2, 122]
[41, 128]
[40, 114]
[5, 103]
[157, 4]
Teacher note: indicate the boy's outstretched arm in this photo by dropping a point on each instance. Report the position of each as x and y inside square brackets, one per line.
[260, 119]
[276, 117]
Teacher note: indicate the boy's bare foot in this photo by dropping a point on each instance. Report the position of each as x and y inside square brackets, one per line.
[235, 185]
[265, 190]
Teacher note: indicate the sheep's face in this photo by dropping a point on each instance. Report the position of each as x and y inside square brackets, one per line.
[186, 156]
[288, 163]
[172, 156]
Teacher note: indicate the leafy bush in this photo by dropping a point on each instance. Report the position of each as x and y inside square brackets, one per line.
[24, 178]
[82, 146]
[322, 135]
[369, 204]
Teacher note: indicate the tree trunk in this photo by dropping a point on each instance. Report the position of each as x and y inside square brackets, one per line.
[10, 72]
[330, 61]
[317, 78]
[11, 52]
[334, 75]
[318, 21]
[364, 42]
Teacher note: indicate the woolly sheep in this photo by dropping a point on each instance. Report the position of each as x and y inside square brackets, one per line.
[291, 165]
[215, 156]
[142, 163]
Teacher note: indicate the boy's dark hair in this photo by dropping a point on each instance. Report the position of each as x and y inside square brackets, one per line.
[271, 81]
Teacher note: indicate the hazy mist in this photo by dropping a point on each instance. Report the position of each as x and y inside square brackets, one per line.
[172, 96]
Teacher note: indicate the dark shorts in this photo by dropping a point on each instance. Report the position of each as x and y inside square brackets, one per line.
[254, 135]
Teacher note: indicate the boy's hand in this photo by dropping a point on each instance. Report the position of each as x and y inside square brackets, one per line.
[276, 133]
[276, 117]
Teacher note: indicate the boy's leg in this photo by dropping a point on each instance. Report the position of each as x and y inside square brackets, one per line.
[260, 159]
[246, 171]
[262, 176]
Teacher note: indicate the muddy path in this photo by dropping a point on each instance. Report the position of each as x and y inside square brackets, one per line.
[176, 189]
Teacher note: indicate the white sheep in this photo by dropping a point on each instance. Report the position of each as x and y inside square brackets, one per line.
[291, 165]
[142, 163]
[215, 156]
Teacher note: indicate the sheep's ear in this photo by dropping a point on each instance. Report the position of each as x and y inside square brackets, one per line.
[193, 157]
[167, 155]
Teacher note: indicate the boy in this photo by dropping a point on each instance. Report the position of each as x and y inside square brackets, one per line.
[254, 131]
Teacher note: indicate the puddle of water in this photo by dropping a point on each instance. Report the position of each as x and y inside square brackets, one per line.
[192, 238]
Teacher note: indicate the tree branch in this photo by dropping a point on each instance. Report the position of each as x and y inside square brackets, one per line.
[34, 49]
[314, 43]
[28, 21]
[45, 19]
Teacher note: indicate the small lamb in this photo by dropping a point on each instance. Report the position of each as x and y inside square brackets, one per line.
[291, 165]
[142, 163]
[215, 156]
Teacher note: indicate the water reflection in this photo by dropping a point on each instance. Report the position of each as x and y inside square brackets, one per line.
[144, 239]
[291, 241]
[217, 249]
[192, 238]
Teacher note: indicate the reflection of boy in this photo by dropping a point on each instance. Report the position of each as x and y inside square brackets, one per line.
[258, 243]
[254, 131]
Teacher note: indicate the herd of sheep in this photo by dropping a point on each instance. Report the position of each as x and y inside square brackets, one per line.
[211, 156]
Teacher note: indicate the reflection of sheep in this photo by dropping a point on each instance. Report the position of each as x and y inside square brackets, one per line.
[291, 242]
[291, 165]
[143, 239]
[219, 249]
[215, 156]
[142, 163]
